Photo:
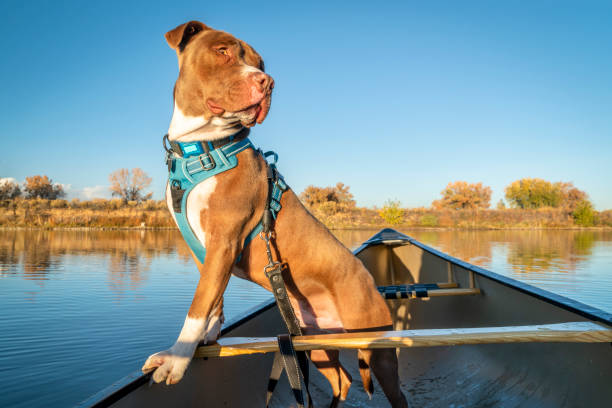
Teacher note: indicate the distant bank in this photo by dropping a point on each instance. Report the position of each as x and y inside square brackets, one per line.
[152, 214]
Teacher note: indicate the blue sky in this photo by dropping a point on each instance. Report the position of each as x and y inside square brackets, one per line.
[393, 99]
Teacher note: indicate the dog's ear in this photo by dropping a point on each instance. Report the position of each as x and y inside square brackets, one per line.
[180, 36]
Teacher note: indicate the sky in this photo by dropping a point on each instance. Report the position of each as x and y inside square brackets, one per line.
[394, 99]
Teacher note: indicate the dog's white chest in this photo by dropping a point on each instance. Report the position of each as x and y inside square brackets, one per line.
[197, 202]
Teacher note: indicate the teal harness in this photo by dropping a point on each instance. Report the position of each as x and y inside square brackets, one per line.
[191, 163]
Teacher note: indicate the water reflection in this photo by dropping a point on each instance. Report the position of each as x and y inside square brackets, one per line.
[36, 254]
[525, 251]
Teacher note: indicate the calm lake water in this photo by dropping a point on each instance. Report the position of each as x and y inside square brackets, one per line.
[81, 309]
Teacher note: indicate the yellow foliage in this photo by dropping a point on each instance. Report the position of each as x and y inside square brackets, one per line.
[391, 212]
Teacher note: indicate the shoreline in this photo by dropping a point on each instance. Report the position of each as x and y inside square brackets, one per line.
[154, 215]
[351, 228]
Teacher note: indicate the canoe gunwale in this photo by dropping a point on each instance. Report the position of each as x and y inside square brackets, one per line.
[392, 237]
[130, 382]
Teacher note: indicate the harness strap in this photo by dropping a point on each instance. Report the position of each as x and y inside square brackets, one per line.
[285, 346]
[273, 271]
[274, 274]
[275, 373]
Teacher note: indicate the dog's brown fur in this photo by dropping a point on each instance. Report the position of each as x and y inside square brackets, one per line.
[329, 288]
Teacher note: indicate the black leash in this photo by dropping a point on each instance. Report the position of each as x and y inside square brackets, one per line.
[294, 363]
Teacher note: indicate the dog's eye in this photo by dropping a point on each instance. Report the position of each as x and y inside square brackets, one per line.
[222, 51]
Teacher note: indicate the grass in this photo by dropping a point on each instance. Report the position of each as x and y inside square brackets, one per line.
[104, 214]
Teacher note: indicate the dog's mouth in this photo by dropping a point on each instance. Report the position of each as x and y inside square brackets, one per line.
[249, 116]
[258, 112]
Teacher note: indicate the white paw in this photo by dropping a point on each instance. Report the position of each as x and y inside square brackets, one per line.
[169, 366]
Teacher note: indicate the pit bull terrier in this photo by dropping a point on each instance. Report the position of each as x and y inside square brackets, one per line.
[221, 92]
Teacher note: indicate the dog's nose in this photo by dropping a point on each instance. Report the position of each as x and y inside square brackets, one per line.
[262, 81]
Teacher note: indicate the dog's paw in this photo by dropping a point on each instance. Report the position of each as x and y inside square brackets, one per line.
[169, 366]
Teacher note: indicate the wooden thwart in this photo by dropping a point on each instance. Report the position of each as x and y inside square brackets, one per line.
[573, 332]
[453, 292]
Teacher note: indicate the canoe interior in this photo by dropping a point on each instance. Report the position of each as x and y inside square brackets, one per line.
[490, 375]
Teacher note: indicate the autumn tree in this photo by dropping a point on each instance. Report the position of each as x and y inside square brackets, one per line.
[572, 197]
[130, 186]
[42, 187]
[340, 194]
[9, 190]
[538, 193]
[462, 195]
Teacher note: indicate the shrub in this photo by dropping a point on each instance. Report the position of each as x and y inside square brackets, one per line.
[59, 204]
[584, 214]
[428, 220]
[461, 195]
[115, 203]
[313, 196]
[98, 204]
[391, 212]
[150, 205]
[605, 218]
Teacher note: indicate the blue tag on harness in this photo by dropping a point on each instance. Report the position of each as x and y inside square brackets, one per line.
[191, 149]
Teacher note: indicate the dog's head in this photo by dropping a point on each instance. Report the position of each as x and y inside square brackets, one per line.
[220, 76]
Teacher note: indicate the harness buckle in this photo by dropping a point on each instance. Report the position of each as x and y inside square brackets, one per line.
[212, 164]
[273, 270]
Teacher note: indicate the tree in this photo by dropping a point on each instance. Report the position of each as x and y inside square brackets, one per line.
[9, 190]
[533, 193]
[461, 195]
[42, 187]
[538, 193]
[340, 194]
[130, 186]
[571, 197]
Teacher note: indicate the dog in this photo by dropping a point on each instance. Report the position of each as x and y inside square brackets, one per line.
[222, 90]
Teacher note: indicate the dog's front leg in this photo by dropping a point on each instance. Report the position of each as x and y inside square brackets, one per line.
[204, 319]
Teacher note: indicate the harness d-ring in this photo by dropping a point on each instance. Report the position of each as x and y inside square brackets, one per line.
[165, 143]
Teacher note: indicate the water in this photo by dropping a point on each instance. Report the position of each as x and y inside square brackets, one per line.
[81, 309]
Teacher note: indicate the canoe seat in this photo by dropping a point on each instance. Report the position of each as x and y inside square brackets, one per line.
[424, 290]
[571, 332]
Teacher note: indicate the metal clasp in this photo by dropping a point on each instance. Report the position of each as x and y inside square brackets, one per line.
[212, 164]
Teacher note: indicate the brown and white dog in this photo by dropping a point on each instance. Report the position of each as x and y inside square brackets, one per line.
[222, 90]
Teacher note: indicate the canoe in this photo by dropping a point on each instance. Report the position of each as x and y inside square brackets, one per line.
[466, 337]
